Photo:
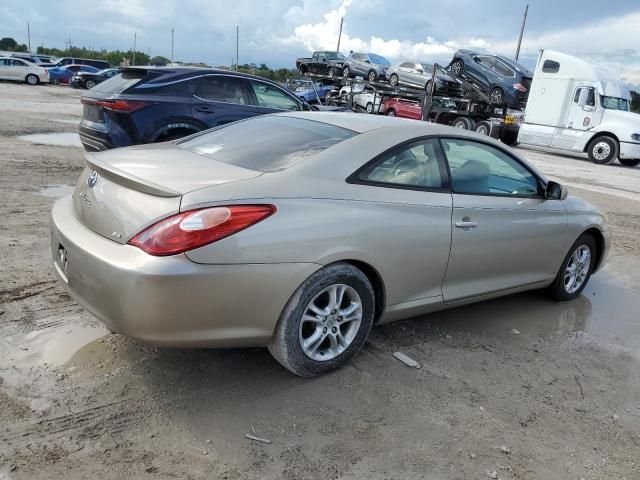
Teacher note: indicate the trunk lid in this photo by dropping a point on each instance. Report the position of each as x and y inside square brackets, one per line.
[122, 191]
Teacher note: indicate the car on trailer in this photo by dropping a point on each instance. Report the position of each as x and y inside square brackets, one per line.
[505, 80]
[422, 75]
[321, 63]
[403, 108]
[368, 65]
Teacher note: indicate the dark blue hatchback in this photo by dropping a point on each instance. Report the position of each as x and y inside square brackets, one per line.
[157, 104]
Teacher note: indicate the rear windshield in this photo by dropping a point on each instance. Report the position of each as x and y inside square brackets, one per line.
[267, 143]
[119, 83]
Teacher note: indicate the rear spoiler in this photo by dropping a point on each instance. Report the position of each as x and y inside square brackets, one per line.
[126, 179]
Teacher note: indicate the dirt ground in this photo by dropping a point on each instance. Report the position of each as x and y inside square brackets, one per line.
[515, 388]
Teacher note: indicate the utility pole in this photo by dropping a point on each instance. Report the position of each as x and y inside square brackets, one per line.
[524, 21]
[172, 45]
[29, 36]
[135, 38]
[237, 42]
[340, 34]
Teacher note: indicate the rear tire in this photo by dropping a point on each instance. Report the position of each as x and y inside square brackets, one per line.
[303, 70]
[581, 259]
[464, 123]
[628, 162]
[483, 128]
[496, 96]
[32, 79]
[603, 150]
[369, 107]
[339, 338]
[428, 86]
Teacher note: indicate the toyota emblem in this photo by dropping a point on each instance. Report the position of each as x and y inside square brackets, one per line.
[92, 178]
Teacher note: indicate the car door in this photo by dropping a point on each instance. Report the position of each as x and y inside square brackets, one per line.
[409, 186]
[360, 64]
[5, 68]
[320, 65]
[482, 69]
[504, 233]
[221, 99]
[581, 117]
[265, 97]
[313, 64]
[416, 75]
[20, 69]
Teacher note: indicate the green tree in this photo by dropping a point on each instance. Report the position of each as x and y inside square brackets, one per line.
[10, 45]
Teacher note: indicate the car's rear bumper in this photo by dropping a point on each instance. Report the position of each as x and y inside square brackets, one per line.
[170, 301]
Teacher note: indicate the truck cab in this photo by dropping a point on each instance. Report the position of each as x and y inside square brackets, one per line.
[580, 106]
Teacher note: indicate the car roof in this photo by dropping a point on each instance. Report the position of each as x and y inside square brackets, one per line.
[362, 123]
[195, 70]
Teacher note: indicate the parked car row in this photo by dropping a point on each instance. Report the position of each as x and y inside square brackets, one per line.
[36, 69]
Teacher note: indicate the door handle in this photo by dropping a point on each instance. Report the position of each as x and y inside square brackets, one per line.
[204, 110]
[466, 224]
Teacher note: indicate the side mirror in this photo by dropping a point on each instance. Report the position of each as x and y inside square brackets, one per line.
[476, 59]
[367, 61]
[555, 191]
[306, 107]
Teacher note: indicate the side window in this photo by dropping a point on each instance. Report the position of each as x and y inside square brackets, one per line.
[549, 66]
[477, 168]
[18, 63]
[269, 96]
[322, 57]
[591, 99]
[406, 65]
[488, 62]
[504, 70]
[314, 57]
[220, 88]
[414, 165]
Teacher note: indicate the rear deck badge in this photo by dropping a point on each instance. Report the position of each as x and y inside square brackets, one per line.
[92, 178]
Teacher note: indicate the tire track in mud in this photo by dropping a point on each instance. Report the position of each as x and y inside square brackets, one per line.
[23, 292]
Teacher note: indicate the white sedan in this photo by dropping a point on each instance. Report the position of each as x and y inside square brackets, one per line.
[22, 71]
[364, 96]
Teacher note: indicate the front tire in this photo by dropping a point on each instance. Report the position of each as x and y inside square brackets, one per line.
[391, 113]
[457, 67]
[32, 79]
[346, 72]
[393, 80]
[326, 321]
[331, 72]
[628, 162]
[369, 107]
[464, 123]
[372, 76]
[89, 84]
[603, 150]
[576, 269]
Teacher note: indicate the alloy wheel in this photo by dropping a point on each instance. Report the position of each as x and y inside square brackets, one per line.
[601, 151]
[577, 269]
[330, 322]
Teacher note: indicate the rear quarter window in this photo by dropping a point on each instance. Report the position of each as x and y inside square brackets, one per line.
[119, 83]
[277, 142]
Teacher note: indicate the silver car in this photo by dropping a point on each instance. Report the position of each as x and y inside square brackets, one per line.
[420, 75]
[300, 231]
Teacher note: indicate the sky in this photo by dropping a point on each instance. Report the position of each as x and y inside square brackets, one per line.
[276, 32]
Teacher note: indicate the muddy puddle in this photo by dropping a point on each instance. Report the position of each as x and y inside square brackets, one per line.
[55, 139]
[607, 311]
[56, 191]
[53, 346]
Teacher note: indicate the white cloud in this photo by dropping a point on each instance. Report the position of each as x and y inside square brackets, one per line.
[324, 36]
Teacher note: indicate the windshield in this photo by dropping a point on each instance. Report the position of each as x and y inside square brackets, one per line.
[334, 56]
[613, 103]
[276, 142]
[377, 59]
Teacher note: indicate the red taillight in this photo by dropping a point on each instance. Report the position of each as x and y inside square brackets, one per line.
[117, 105]
[519, 87]
[196, 228]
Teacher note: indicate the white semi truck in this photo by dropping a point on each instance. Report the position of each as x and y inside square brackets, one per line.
[580, 106]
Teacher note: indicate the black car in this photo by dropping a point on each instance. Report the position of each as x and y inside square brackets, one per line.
[156, 104]
[321, 63]
[89, 80]
[504, 80]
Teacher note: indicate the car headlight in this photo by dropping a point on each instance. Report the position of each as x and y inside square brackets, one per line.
[636, 136]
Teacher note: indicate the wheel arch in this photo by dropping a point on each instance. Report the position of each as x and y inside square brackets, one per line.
[175, 127]
[376, 282]
[604, 133]
[600, 245]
